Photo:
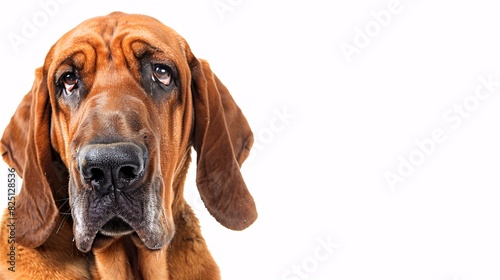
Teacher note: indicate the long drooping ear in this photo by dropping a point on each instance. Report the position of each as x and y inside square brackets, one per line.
[222, 140]
[25, 145]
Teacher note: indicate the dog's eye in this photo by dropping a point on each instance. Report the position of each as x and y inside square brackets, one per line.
[70, 82]
[162, 74]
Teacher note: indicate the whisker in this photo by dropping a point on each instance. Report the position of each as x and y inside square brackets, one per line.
[65, 201]
[62, 188]
[62, 223]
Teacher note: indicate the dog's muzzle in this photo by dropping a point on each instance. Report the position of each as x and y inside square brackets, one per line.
[116, 196]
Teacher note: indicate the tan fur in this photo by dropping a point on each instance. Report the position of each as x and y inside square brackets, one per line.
[57, 258]
[188, 256]
[41, 138]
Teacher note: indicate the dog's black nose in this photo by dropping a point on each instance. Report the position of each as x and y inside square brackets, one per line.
[111, 166]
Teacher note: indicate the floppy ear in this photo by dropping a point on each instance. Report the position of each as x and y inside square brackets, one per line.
[222, 140]
[25, 145]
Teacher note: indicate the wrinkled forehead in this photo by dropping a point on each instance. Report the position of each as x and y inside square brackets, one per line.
[118, 38]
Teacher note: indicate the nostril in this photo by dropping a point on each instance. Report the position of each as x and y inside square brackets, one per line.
[96, 175]
[127, 173]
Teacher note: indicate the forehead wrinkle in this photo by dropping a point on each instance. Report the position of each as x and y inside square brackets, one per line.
[134, 48]
[97, 34]
[152, 44]
[90, 46]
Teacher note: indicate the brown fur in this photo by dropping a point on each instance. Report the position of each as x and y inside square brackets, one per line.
[40, 144]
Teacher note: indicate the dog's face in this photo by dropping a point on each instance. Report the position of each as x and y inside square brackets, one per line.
[122, 127]
[126, 99]
[121, 103]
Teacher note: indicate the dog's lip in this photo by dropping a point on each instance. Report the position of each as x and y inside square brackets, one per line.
[116, 227]
[152, 240]
[153, 235]
[148, 222]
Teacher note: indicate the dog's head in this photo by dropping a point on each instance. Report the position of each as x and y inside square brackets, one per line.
[119, 102]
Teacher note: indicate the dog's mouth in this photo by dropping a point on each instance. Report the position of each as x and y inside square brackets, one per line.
[116, 227]
[98, 217]
[154, 232]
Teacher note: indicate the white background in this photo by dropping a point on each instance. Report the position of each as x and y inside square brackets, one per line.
[318, 174]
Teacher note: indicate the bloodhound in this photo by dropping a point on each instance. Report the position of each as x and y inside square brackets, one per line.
[102, 142]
